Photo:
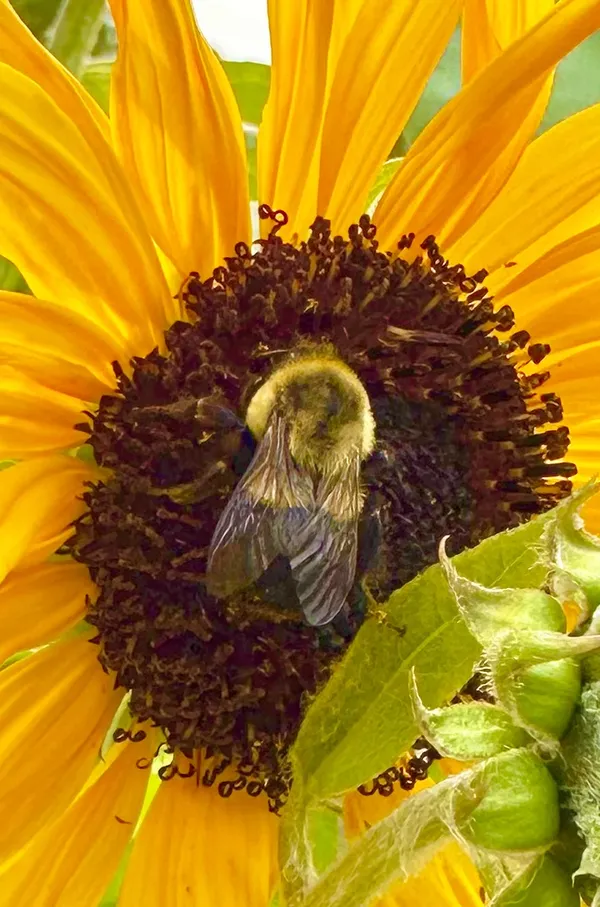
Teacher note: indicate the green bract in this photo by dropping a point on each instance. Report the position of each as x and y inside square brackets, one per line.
[575, 551]
[545, 884]
[469, 730]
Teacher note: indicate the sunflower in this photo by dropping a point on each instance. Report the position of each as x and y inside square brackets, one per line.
[154, 322]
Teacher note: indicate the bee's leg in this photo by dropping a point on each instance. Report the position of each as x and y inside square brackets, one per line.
[243, 456]
[341, 624]
[370, 535]
[382, 618]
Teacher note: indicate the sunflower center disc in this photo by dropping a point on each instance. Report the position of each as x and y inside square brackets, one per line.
[463, 449]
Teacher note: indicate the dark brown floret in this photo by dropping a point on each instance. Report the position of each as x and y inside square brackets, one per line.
[464, 440]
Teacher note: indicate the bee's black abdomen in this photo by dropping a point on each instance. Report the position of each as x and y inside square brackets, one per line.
[277, 585]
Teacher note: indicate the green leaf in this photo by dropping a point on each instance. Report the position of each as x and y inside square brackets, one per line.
[38, 15]
[17, 656]
[250, 136]
[575, 84]
[96, 79]
[106, 42]
[250, 83]
[383, 178]
[111, 895]
[85, 453]
[324, 834]
[309, 838]
[362, 721]
[573, 89]
[75, 31]
[11, 278]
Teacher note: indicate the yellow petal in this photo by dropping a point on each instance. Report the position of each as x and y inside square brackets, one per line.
[54, 363]
[40, 603]
[489, 26]
[360, 812]
[20, 49]
[344, 17]
[60, 348]
[378, 81]
[178, 132]
[71, 862]
[35, 419]
[480, 44]
[55, 709]
[576, 378]
[194, 847]
[290, 132]
[38, 501]
[69, 222]
[444, 181]
[448, 880]
[553, 194]
[591, 514]
[551, 298]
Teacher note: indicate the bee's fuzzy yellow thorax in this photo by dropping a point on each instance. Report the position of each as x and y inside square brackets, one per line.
[324, 404]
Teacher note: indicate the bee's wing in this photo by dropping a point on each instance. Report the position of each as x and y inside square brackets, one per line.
[322, 545]
[246, 539]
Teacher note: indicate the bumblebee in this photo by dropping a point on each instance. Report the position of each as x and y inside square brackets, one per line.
[300, 498]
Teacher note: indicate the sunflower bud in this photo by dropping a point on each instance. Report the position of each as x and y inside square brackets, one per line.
[545, 695]
[509, 802]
